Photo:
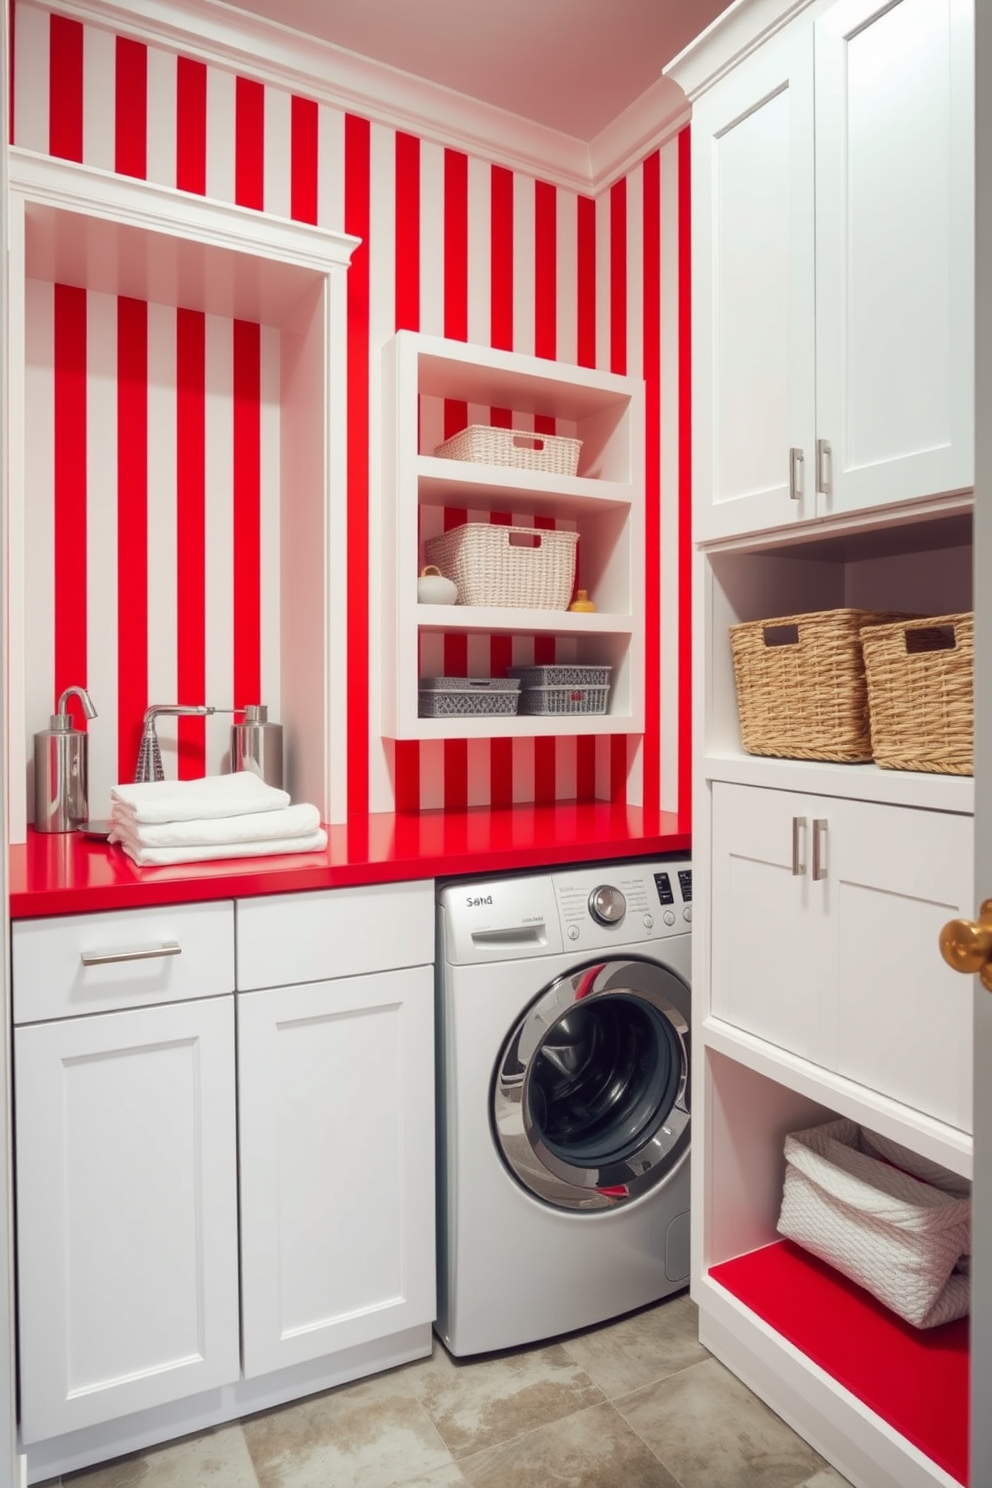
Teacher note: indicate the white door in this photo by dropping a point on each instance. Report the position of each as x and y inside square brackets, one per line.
[894, 250]
[981, 1273]
[336, 1086]
[126, 1212]
[753, 340]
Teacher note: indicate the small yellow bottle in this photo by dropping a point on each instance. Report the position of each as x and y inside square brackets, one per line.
[582, 603]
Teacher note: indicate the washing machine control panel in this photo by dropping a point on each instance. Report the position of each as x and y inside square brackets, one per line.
[623, 902]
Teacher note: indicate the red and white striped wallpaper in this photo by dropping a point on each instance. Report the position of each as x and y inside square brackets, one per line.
[153, 433]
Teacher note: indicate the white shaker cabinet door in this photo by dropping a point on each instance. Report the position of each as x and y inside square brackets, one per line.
[894, 250]
[336, 1083]
[753, 292]
[126, 1212]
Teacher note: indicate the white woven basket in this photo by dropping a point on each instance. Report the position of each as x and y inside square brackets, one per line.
[899, 1236]
[507, 566]
[485, 446]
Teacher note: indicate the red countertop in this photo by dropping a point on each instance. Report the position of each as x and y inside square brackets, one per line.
[64, 873]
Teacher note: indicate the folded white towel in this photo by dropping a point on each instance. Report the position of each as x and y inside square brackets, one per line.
[160, 857]
[157, 801]
[254, 826]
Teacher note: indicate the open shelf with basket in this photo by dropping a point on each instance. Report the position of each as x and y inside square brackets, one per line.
[520, 517]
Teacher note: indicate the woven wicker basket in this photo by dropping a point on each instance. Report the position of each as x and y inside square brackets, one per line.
[801, 687]
[507, 566]
[920, 694]
[485, 446]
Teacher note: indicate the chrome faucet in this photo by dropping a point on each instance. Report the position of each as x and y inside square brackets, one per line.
[149, 765]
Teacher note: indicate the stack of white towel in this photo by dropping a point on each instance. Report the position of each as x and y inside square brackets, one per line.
[221, 816]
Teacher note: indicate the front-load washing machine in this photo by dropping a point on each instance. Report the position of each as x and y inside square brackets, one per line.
[563, 1112]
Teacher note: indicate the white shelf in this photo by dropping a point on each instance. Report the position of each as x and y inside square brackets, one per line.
[603, 502]
[868, 782]
[934, 1139]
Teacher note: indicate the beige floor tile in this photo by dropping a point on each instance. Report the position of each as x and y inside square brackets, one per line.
[708, 1429]
[212, 1459]
[373, 1434]
[478, 1403]
[595, 1449]
[638, 1350]
[827, 1477]
[445, 1477]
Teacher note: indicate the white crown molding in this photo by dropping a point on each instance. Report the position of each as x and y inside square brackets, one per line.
[651, 120]
[726, 41]
[226, 37]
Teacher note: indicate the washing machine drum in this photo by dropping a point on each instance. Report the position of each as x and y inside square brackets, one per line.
[590, 1097]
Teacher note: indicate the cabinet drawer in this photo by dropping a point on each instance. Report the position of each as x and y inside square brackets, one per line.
[314, 937]
[74, 964]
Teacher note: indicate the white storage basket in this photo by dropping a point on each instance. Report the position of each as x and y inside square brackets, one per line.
[523, 567]
[482, 445]
[852, 1199]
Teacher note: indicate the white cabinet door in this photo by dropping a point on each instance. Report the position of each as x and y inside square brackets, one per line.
[829, 953]
[894, 249]
[336, 1083]
[753, 292]
[126, 1212]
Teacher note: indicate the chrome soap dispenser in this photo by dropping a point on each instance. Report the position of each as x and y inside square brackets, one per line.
[61, 769]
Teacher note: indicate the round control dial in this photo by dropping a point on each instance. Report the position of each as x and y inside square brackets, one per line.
[607, 905]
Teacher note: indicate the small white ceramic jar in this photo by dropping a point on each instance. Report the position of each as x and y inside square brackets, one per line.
[434, 588]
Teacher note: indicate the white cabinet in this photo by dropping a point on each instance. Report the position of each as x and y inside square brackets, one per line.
[336, 1121]
[851, 895]
[833, 265]
[604, 502]
[126, 1189]
[337, 1164]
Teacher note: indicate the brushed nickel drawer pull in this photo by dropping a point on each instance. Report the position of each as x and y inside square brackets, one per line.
[819, 848]
[798, 846]
[146, 953]
[795, 473]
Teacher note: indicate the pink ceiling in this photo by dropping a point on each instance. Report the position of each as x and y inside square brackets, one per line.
[571, 65]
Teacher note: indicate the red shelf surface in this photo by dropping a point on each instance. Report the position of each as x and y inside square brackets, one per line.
[916, 1379]
[64, 873]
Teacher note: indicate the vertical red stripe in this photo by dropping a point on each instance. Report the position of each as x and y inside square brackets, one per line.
[545, 267]
[131, 108]
[357, 167]
[652, 482]
[191, 535]
[191, 125]
[455, 418]
[620, 753]
[501, 258]
[70, 488]
[247, 554]
[685, 484]
[249, 143]
[303, 160]
[132, 529]
[65, 89]
[585, 745]
[406, 759]
[618, 276]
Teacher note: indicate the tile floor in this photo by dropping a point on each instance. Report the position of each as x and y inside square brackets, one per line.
[638, 1403]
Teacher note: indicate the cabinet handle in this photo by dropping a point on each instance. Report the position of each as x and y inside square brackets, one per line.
[798, 856]
[824, 468]
[819, 847]
[144, 953]
[796, 459]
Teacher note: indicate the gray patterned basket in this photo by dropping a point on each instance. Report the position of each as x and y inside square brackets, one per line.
[446, 697]
[561, 676]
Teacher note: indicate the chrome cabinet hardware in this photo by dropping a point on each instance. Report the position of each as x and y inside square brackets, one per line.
[795, 473]
[824, 468]
[819, 848]
[798, 846]
[142, 953]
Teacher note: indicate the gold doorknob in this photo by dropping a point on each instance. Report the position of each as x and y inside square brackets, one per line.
[967, 946]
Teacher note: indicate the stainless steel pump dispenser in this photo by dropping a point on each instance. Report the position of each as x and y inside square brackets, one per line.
[61, 769]
[256, 745]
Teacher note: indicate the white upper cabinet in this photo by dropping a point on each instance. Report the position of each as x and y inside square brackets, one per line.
[833, 267]
[753, 341]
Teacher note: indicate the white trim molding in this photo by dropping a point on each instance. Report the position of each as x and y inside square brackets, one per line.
[224, 36]
[727, 40]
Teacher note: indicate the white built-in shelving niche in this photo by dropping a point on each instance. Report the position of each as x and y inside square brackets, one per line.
[89, 228]
[604, 502]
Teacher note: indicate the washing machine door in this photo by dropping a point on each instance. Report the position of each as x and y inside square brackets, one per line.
[590, 1098]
